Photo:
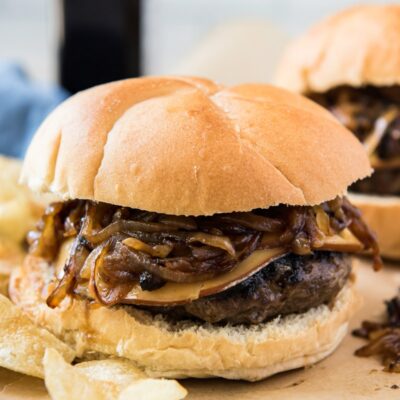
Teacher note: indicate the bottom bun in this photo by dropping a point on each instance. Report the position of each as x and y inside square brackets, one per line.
[185, 349]
[382, 214]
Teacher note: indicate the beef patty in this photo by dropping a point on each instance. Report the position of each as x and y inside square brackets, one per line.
[291, 284]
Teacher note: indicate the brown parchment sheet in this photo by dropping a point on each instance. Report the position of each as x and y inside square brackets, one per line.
[340, 376]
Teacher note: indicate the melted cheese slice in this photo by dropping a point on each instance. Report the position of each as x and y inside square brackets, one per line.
[177, 293]
[345, 242]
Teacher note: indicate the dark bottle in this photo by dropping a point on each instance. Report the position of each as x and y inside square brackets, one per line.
[100, 42]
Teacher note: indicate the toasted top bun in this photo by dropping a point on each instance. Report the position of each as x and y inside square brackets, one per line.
[355, 47]
[187, 146]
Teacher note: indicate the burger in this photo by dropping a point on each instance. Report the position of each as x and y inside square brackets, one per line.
[200, 230]
[350, 64]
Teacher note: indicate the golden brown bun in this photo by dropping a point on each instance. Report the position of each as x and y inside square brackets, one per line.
[357, 46]
[187, 146]
[186, 349]
[382, 214]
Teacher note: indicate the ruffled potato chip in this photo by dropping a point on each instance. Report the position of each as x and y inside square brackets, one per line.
[23, 344]
[19, 207]
[19, 211]
[65, 382]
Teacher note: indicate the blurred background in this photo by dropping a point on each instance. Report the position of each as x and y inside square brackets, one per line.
[50, 49]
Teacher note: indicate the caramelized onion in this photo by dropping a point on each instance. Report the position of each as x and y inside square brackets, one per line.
[221, 242]
[46, 243]
[71, 223]
[179, 222]
[158, 250]
[179, 270]
[126, 226]
[338, 218]
[108, 295]
[72, 268]
[94, 264]
[294, 235]
[61, 291]
[91, 219]
[322, 219]
[315, 236]
[384, 338]
[270, 240]
[100, 287]
[301, 246]
[253, 221]
[89, 264]
[361, 231]
[205, 252]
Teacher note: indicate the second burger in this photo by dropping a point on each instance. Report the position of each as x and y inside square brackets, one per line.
[350, 64]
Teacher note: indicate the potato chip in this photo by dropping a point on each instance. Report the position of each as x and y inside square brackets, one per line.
[111, 379]
[19, 208]
[19, 211]
[116, 370]
[23, 344]
[11, 256]
[65, 382]
[153, 389]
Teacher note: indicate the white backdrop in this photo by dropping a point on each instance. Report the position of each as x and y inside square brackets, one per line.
[218, 38]
[29, 32]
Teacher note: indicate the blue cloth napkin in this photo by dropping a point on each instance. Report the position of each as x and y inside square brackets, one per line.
[23, 106]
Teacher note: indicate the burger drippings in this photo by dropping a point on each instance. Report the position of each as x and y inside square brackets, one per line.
[373, 115]
[384, 338]
[115, 247]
